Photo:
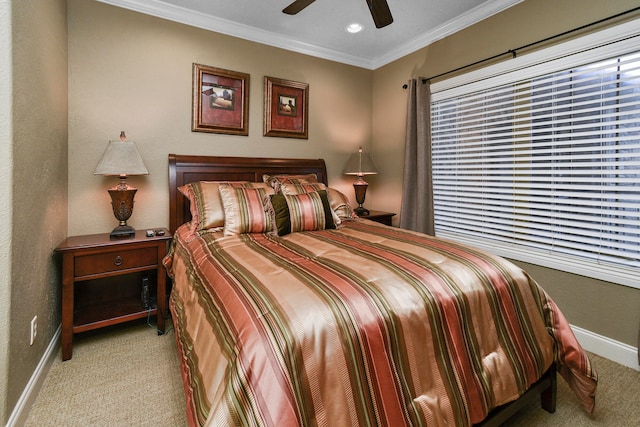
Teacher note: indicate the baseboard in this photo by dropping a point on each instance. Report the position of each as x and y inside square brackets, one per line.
[21, 410]
[621, 353]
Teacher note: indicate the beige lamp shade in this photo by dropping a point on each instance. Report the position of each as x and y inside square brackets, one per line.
[121, 158]
[360, 163]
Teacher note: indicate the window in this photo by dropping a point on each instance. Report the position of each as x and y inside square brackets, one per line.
[542, 162]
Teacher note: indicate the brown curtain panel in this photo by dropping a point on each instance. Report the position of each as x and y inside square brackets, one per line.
[416, 212]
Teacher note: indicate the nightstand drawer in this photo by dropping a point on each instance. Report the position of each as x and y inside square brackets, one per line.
[115, 261]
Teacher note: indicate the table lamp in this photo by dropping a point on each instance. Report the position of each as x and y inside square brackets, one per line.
[121, 158]
[360, 164]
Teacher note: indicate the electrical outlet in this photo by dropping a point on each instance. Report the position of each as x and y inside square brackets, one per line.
[34, 329]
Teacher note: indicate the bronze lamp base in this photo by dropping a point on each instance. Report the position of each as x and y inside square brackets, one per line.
[122, 204]
[360, 188]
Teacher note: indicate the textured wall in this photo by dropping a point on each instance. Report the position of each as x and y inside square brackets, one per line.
[5, 199]
[134, 72]
[38, 180]
[605, 308]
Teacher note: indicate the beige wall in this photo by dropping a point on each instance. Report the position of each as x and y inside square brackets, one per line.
[134, 72]
[607, 309]
[37, 184]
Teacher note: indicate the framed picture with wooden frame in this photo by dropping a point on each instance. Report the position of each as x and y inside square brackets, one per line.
[286, 108]
[220, 101]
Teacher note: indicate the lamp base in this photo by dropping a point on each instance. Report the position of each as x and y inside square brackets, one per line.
[122, 205]
[122, 232]
[361, 211]
[360, 188]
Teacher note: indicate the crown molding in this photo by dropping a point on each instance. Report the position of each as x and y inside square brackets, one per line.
[189, 17]
[473, 16]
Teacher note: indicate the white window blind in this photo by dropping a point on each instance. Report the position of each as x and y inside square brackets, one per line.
[545, 169]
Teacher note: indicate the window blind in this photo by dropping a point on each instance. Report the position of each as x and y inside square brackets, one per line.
[545, 167]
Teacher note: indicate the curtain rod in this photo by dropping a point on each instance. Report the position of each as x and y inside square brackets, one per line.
[513, 52]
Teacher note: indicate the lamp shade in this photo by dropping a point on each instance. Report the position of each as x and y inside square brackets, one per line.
[121, 158]
[360, 164]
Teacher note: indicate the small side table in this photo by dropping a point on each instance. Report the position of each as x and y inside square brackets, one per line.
[106, 282]
[379, 216]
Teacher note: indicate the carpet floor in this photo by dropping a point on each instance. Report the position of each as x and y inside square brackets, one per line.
[127, 375]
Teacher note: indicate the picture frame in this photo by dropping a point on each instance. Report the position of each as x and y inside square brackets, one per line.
[286, 108]
[220, 101]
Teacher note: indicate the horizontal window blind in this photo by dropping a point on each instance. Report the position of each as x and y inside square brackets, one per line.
[549, 163]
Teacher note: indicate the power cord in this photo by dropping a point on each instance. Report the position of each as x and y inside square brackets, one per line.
[167, 330]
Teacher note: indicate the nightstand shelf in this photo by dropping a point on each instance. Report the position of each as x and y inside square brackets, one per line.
[102, 282]
[95, 316]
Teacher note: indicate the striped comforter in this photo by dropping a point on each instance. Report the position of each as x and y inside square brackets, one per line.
[366, 325]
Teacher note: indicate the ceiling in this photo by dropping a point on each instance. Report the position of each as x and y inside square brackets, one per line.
[319, 30]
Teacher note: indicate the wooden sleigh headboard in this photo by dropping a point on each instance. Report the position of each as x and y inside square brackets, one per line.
[185, 169]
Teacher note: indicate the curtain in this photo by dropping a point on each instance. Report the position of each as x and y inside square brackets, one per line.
[416, 212]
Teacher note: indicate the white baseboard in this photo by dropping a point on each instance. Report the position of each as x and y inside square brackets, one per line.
[621, 353]
[21, 410]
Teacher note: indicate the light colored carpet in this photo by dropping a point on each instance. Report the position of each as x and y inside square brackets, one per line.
[127, 375]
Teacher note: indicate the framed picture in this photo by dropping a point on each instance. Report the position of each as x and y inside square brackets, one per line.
[286, 105]
[220, 101]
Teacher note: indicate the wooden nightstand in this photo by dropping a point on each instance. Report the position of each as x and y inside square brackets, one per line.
[379, 216]
[102, 282]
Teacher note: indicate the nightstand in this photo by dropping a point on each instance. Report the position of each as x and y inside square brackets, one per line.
[379, 216]
[105, 282]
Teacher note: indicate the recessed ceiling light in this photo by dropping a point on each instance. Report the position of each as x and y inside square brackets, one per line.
[354, 28]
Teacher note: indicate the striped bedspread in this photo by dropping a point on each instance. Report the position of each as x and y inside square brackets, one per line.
[366, 325]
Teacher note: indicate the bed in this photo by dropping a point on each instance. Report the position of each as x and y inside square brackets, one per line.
[348, 322]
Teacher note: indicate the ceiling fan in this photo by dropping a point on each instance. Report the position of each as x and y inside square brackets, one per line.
[379, 10]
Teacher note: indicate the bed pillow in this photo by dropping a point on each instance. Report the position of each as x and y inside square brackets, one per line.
[340, 204]
[301, 187]
[244, 210]
[302, 212]
[275, 181]
[279, 212]
[337, 200]
[206, 207]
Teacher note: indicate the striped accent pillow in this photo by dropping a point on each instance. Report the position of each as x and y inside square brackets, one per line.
[205, 203]
[301, 187]
[244, 210]
[338, 201]
[302, 212]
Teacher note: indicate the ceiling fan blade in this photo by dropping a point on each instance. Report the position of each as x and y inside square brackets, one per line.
[380, 12]
[297, 6]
